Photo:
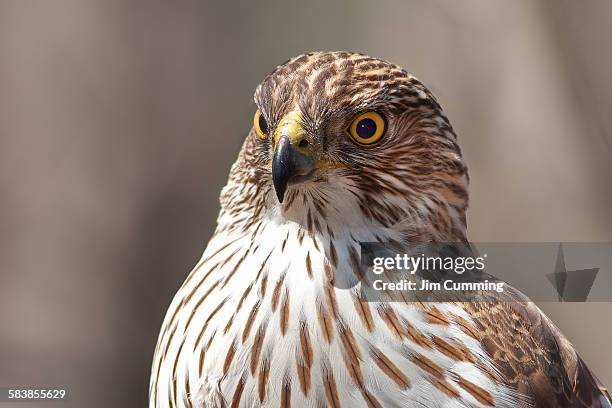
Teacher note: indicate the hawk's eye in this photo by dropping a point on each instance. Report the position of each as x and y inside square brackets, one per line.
[260, 125]
[367, 128]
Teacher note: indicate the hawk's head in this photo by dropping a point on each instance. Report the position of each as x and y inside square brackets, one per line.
[338, 135]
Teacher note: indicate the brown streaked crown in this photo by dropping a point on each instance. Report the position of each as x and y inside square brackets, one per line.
[418, 158]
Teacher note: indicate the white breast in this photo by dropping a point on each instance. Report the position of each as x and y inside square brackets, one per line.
[258, 323]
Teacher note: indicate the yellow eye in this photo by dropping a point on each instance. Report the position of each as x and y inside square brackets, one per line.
[367, 128]
[260, 125]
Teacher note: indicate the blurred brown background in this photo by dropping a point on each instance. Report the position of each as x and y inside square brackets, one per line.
[119, 121]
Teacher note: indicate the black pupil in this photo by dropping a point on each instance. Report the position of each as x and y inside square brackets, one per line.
[263, 125]
[366, 128]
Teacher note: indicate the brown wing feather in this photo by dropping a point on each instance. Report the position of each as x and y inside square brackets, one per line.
[533, 355]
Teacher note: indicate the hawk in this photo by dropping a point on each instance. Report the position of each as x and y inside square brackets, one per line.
[345, 149]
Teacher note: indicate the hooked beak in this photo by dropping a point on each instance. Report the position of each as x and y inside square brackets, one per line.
[292, 162]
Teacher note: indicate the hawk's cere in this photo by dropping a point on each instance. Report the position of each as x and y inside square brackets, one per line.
[347, 149]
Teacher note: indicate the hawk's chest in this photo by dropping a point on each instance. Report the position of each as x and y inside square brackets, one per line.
[272, 317]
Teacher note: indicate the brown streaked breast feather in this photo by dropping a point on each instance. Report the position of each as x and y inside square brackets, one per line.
[203, 352]
[229, 357]
[448, 349]
[264, 379]
[256, 348]
[263, 286]
[284, 313]
[445, 387]
[369, 399]
[349, 343]
[308, 265]
[363, 311]
[427, 365]
[238, 393]
[417, 337]
[304, 359]
[351, 354]
[391, 370]
[466, 327]
[243, 297]
[434, 316]
[199, 303]
[330, 297]
[305, 344]
[276, 292]
[303, 375]
[479, 393]
[386, 312]
[330, 389]
[250, 320]
[234, 269]
[285, 401]
[325, 322]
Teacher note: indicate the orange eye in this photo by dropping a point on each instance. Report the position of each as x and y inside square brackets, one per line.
[367, 128]
[260, 125]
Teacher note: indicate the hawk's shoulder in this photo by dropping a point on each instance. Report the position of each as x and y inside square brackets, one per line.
[533, 355]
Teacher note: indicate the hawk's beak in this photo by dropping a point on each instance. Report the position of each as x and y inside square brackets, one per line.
[292, 162]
